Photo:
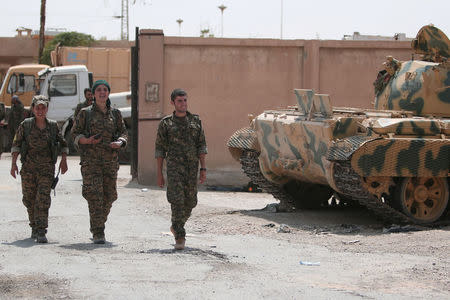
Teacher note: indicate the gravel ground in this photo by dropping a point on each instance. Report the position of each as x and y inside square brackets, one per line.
[235, 249]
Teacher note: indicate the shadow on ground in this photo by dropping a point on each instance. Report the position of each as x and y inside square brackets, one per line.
[189, 251]
[337, 220]
[86, 246]
[27, 243]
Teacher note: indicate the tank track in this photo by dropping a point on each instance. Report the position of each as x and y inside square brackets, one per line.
[250, 166]
[349, 183]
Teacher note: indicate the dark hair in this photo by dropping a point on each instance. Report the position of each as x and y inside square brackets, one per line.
[176, 93]
[86, 90]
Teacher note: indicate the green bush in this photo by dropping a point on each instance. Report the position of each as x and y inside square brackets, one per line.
[69, 39]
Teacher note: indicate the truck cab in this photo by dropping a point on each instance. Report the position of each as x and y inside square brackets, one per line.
[20, 80]
[64, 88]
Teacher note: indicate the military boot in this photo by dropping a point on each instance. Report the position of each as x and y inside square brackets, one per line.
[33, 233]
[41, 238]
[179, 243]
[99, 238]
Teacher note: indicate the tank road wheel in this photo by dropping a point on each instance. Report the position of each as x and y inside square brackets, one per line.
[423, 199]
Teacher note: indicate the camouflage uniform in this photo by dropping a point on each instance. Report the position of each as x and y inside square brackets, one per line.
[181, 141]
[2, 116]
[79, 107]
[38, 168]
[17, 114]
[99, 162]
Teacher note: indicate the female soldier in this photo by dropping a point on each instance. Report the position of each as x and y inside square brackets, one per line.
[37, 140]
[99, 132]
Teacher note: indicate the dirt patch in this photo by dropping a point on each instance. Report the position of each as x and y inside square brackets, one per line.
[33, 287]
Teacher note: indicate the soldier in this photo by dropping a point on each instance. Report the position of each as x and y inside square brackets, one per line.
[88, 102]
[17, 114]
[181, 140]
[99, 132]
[37, 140]
[2, 116]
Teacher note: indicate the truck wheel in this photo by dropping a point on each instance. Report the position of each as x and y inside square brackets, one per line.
[69, 140]
[423, 199]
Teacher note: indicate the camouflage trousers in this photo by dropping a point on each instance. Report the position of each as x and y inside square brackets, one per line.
[36, 187]
[100, 191]
[181, 194]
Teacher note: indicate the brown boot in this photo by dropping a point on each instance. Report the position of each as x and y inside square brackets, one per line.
[179, 243]
[172, 230]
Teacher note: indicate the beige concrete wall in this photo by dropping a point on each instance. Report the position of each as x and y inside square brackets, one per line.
[226, 79]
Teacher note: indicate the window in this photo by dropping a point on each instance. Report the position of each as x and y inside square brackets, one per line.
[63, 85]
[21, 83]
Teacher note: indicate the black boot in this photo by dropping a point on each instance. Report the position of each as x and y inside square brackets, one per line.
[33, 233]
[99, 238]
[41, 238]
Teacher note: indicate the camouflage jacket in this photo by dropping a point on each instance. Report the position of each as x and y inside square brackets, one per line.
[91, 121]
[17, 114]
[2, 111]
[79, 107]
[180, 138]
[39, 144]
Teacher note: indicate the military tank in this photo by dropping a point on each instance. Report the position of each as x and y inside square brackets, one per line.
[393, 159]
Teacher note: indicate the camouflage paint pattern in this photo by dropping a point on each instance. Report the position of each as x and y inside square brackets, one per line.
[181, 141]
[422, 87]
[99, 162]
[432, 43]
[404, 136]
[294, 142]
[403, 157]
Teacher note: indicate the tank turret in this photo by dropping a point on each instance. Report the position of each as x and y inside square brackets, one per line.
[420, 86]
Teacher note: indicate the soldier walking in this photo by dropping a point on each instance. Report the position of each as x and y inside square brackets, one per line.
[37, 140]
[87, 102]
[17, 114]
[99, 132]
[2, 116]
[181, 140]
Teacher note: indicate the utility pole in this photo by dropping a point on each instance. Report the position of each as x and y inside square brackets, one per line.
[179, 21]
[222, 8]
[281, 26]
[42, 31]
[124, 21]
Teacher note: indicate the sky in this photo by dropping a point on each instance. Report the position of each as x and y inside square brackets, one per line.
[287, 19]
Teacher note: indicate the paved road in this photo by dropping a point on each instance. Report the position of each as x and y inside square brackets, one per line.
[234, 250]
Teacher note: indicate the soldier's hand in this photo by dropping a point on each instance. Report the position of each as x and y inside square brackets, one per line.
[202, 176]
[14, 170]
[116, 144]
[63, 166]
[161, 180]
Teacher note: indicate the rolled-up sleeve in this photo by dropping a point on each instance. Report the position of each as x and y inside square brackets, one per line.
[78, 127]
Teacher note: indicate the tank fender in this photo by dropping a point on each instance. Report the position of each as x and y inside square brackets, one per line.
[343, 149]
[402, 157]
[243, 139]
